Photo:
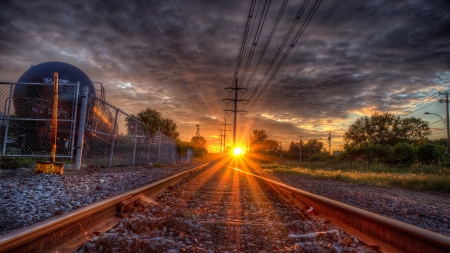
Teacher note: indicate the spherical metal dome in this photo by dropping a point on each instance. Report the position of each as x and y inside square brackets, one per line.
[43, 73]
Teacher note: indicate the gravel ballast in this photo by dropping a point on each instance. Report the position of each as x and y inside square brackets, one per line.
[428, 210]
[27, 198]
[220, 210]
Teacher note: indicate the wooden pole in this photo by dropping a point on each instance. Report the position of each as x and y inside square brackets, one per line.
[54, 117]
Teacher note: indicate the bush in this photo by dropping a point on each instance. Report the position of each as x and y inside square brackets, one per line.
[403, 153]
[352, 153]
[16, 163]
[430, 154]
[322, 157]
[376, 153]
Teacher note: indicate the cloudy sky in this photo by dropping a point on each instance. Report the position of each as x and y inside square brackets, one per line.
[178, 56]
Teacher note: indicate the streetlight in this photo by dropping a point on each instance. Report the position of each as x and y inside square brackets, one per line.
[448, 132]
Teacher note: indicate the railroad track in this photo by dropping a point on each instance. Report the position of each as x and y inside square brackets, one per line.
[219, 209]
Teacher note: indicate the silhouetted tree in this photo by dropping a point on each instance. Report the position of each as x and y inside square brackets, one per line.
[386, 129]
[169, 128]
[200, 146]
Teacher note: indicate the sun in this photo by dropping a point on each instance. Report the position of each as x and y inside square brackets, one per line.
[238, 151]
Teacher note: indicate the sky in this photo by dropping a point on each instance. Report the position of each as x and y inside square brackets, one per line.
[178, 57]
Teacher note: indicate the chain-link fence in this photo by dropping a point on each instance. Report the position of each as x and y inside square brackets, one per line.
[114, 138]
[26, 119]
[111, 137]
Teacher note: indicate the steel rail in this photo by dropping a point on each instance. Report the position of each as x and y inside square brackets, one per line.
[65, 233]
[378, 231]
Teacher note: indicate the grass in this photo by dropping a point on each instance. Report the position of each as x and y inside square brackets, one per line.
[414, 177]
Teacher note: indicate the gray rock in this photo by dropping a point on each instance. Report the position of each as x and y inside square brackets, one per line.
[23, 171]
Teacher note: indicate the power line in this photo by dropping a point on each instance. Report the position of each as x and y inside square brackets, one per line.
[420, 109]
[277, 21]
[244, 40]
[438, 133]
[300, 32]
[286, 38]
[437, 121]
[439, 124]
[257, 35]
[421, 102]
[250, 33]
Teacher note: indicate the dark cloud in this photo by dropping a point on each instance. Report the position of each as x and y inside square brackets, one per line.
[177, 57]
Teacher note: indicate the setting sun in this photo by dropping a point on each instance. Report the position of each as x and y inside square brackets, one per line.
[238, 151]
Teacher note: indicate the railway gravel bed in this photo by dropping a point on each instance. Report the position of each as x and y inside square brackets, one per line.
[27, 198]
[221, 210]
[428, 210]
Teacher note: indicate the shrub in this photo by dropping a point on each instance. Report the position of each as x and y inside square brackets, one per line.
[403, 153]
[429, 153]
[376, 153]
[322, 157]
[16, 163]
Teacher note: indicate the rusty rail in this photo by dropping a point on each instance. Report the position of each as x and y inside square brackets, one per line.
[65, 233]
[387, 234]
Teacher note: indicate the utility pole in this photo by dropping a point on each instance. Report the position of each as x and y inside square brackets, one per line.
[235, 100]
[225, 133]
[220, 152]
[329, 142]
[300, 145]
[448, 126]
[197, 134]
[281, 149]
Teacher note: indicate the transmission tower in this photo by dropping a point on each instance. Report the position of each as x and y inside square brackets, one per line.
[235, 100]
[197, 134]
[225, 133]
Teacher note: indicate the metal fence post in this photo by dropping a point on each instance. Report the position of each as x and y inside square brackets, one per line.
[166, 152]
[80, 139]
[159, 148]
[148, 150]
[74, 125]
[113, 138]
[172, 154]
[5, 137]
[135, 140]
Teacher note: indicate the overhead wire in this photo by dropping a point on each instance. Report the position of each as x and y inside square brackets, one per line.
[277, 21]
[280, 49]
[257, 35]
[419, 109]
[438, 133]
[243, 44]
[421, 102]
[297, 37]
[244, 40]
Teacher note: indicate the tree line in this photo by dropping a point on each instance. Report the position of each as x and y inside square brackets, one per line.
[383, 138]
[152, 121]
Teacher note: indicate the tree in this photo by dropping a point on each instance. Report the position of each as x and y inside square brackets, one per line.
[257, 139]
[270, 146]
[200, 146]
[130, 123]
[386, 129]
[415, 129]
[313, 146]
[429, 153]
[294, 150]
[169, 128]
[404, 154]
[151, 120]
[259, 136]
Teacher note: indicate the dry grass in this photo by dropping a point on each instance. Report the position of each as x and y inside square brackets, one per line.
[416, 178]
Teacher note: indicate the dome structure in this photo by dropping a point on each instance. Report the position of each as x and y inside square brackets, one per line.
[43, 73]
